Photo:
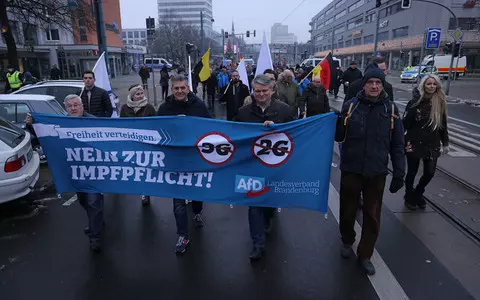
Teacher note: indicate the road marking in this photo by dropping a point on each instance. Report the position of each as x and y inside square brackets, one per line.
[463, 131]
[464, 122]
[458, 152]
[70, 201]
[461, 142]
[466, 139]
[384, 282]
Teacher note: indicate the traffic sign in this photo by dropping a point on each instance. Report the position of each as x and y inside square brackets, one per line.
[433, 38]
[457, 34]
[215, 148]
[273, 149]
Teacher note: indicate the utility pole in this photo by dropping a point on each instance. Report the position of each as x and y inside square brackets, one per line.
[223, 46]
[101, 36]
[333, 39]
[377, 24]
[422, 50]
[458, 58]
[202, 33]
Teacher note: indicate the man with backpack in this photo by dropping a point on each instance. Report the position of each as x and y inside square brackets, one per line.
[369, 129]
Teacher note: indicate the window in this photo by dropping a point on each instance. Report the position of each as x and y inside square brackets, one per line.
[130, 34]
[357, 41]
[340, 14]
[328, 21]
[82, 29]
[60, 92]
[348, 43]
[330, 10]
[34, 91]
[356, 5]
[21, 113]
[339, 28]
[340, 3]
[30, 34]
[143, 34]
[368, 39]
[136, 34]
[391, 10]
[52, 34]
[383, 36]
[340, 45]
[14, 112]
[319, 38]
[370, 18]
[124, 34]
[465, 24]
[400, 32]
[355, 22]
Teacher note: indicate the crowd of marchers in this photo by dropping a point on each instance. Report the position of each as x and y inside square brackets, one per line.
[370, 130]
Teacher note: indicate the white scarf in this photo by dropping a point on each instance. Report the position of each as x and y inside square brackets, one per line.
[136, 105]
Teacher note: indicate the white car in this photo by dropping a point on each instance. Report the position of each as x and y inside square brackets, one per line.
[19, 164]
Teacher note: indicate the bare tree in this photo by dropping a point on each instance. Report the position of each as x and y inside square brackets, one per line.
[42, 13]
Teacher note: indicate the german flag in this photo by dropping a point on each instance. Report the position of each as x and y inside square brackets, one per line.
[327, 70]
[202, 69]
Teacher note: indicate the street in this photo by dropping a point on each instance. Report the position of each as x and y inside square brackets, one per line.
[419, 255]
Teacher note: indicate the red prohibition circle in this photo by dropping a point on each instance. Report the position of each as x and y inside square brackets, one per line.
[289, 153]
[234, 148]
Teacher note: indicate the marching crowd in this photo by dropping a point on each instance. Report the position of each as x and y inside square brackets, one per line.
[369, 130]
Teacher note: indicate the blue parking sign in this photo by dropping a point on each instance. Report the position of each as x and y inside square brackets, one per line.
[433, 38]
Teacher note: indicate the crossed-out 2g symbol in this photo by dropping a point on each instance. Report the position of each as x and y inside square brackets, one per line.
[215, 148]
[273, 149]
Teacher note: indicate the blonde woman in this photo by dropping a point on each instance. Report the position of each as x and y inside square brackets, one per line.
[426, 137]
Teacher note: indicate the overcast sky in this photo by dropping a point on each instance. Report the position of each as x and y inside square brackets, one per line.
[250, 15]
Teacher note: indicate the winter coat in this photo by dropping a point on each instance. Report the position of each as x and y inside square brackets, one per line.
[146, 111]
[212, 84]
[194, 107]
[315, 99]
[222, 80]
[357, 86]
[55, 74]
[277, 112]
[421, 141]
[164, 78]
[100, 104]
[289, 93]
[303, 85]
[144, 73]
[233, 104]
[350, 75]
[367, 139]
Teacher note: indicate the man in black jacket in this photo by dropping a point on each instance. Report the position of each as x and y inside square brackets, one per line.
[96, 101]
[351, 75]
[266, 110]
[234, 96]
[369, 130]
[314, 100]
[355, 87]
[183, 102]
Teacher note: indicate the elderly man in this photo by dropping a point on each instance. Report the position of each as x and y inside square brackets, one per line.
[369, 131]
[288, 91]
[234, 96]
[182, 102]
[314, 99]
[92, 203]
[96, 101]
[266, 110]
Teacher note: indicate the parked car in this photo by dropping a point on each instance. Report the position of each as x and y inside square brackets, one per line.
[14, 108]
[157, 63]
[57, 88]
[19, 164]
[411, 74]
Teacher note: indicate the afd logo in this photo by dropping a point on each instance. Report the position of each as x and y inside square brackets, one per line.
[252, 186]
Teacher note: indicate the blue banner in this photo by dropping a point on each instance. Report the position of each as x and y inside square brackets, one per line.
[283, 165]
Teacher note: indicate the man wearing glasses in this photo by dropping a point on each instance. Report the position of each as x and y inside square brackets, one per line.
[96, 101]
[182, 102]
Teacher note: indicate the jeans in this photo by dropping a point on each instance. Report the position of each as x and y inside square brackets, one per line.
[93, 205]
[352, 185]
[181, 217]
[429, 166]
[258, 219]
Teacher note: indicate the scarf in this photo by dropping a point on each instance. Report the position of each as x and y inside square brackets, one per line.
[136, 105]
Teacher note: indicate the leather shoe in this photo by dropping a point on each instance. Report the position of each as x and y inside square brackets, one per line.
[256, 254]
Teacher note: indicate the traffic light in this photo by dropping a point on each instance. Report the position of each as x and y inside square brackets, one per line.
[190, 47]
[456, 50]
[254, 33]
[379, 3]
[226, 34]
[447, 49]
[150, 22]
[406, 4]
[248, 33]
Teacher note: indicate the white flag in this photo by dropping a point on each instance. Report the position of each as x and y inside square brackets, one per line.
[242, 71]
[102, 81]
[264, 59]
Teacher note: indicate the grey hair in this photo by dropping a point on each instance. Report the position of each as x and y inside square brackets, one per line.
[71, 97]
[263, 80]
[177, 78]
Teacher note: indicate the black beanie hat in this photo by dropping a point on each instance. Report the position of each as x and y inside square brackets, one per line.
[374, 73]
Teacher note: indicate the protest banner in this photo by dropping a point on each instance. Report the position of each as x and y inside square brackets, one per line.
[283, 165]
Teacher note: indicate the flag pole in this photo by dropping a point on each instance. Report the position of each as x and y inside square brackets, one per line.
[310, 73]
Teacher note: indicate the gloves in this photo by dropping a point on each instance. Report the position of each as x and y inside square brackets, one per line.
[396, 184]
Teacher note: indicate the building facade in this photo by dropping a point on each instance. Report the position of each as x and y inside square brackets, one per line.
[348, 27]
[280, 35]
[134, 36]
[187, 12]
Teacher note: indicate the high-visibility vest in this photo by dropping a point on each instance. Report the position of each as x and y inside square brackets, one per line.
[14, 80]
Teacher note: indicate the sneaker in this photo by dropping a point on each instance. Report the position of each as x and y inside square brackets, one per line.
[95, 246]
[198, 221]
[346, 251]
[145, 200]
[367, 266]
[182, 244]
[256, 254]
